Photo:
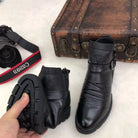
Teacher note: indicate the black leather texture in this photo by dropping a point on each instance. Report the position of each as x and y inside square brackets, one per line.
[49, 99]
[96, 98]
[56, 86]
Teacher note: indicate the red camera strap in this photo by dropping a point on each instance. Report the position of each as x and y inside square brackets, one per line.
[25, 64]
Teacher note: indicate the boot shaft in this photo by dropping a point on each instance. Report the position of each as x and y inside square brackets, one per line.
[102, 50]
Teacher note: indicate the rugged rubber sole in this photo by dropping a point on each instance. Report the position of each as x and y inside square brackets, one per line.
[33, 117]
[93, 129]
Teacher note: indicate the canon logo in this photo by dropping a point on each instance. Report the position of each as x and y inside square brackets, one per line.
[20, 68]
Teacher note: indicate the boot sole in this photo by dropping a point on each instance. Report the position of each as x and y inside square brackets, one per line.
[33, 116]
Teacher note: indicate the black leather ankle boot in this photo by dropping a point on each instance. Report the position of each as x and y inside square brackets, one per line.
[35, 115]
[56, 86]
[49, 99]
[96, 99]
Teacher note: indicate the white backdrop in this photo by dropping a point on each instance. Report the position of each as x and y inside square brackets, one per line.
[33, 19]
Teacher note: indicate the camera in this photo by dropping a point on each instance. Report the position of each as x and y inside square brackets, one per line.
[9, 54]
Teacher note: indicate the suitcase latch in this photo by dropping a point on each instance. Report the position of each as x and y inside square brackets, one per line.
[85, 46]
[63, 45]
[120, 47]
[131, 50]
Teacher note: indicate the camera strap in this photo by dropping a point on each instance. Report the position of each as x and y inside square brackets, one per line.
[27, 63]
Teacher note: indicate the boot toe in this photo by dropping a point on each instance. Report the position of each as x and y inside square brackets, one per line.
[87, 114]
[86, 123]
[90, 117]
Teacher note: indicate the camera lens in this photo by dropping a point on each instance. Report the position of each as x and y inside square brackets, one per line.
[5, 53]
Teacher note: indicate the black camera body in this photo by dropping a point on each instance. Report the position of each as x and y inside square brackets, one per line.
[9, 54]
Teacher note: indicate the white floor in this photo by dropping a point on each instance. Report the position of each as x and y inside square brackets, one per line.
[33, 20]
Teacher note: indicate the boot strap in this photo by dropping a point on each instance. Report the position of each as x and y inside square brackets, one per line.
[102, 67]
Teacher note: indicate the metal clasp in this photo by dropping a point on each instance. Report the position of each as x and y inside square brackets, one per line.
[85, 46]
[120, 47]
[76, 51]
[131, 50]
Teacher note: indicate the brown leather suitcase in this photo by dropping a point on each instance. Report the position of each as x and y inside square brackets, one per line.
[84, 20]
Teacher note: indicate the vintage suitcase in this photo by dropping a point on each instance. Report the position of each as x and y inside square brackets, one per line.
[84, 20]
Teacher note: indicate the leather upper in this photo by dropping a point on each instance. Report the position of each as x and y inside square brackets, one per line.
[49, 99]
[95, 101]
[56, 84]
